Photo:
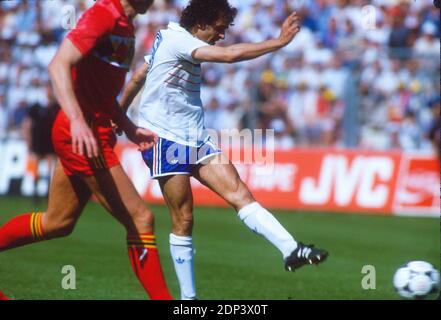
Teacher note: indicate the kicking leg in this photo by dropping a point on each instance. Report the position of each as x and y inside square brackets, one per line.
[117, 194]
[221, 176]
[177, 194]
[68, 196]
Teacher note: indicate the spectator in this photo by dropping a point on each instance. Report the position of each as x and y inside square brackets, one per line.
[400, 35]
[427, 44]
[331, 45]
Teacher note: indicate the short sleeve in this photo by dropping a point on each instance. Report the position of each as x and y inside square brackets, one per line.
[185, 47]
[93, 25]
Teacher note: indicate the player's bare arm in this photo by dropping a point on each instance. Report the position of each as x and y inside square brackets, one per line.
[248, 51]
[83, 140]
[133, 87]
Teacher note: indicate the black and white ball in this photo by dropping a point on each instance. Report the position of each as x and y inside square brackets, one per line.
[416, 279]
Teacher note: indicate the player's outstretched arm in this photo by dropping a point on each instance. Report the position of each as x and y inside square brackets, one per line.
[134, 85]
[248, 51]
[83, 140]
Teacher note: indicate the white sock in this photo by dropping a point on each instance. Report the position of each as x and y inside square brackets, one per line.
[181, 249]
[261, 221]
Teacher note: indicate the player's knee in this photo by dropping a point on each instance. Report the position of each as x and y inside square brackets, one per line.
[186, 217]
[240, 195]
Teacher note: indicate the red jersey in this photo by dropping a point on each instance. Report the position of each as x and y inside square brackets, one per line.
[105, 37]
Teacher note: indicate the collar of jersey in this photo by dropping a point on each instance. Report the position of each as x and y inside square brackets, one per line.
[176, 27]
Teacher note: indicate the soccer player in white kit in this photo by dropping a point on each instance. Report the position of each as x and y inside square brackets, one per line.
[171, 107]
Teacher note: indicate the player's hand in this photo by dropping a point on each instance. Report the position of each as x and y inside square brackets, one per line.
[290, 27]
[83, 140]
[145, 139]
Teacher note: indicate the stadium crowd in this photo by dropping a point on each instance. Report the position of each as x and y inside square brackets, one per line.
[390, 68]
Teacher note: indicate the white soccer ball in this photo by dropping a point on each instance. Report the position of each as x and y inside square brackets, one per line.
[416, 279]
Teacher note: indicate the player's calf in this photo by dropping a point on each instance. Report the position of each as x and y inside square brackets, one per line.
[182, 222]
[57, 228]
[143, 254]
[142, 220]
[238, 195]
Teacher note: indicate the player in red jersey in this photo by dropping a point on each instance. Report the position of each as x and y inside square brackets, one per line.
[88, 73]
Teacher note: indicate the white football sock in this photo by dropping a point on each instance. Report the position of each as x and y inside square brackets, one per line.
[261, 221]
[181, 249]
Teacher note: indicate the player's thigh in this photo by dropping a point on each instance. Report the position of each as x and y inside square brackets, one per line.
[115, 191]
[67, 197]
[220, 175]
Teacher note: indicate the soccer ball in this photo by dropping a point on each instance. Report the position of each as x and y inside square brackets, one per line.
[416, 279]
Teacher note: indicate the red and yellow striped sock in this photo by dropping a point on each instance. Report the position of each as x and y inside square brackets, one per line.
[21, 230]
[144, 258]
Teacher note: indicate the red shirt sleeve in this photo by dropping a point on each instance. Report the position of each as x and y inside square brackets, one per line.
[93, 25]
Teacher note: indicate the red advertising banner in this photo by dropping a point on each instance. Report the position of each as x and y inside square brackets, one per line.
[325, 180]
[418, 187]
[322, 180]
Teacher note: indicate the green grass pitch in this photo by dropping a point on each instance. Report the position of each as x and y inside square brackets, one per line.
[231, 262]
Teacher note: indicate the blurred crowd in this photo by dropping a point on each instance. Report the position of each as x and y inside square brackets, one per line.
[363, 71]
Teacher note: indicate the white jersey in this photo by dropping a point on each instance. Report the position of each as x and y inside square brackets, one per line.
[170, 104]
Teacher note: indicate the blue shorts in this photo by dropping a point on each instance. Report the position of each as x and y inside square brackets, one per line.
[170, 158]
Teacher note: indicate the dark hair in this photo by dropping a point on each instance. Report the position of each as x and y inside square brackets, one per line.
[207, 12]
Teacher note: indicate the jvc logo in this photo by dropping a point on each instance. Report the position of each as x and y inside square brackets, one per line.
[366, 179]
